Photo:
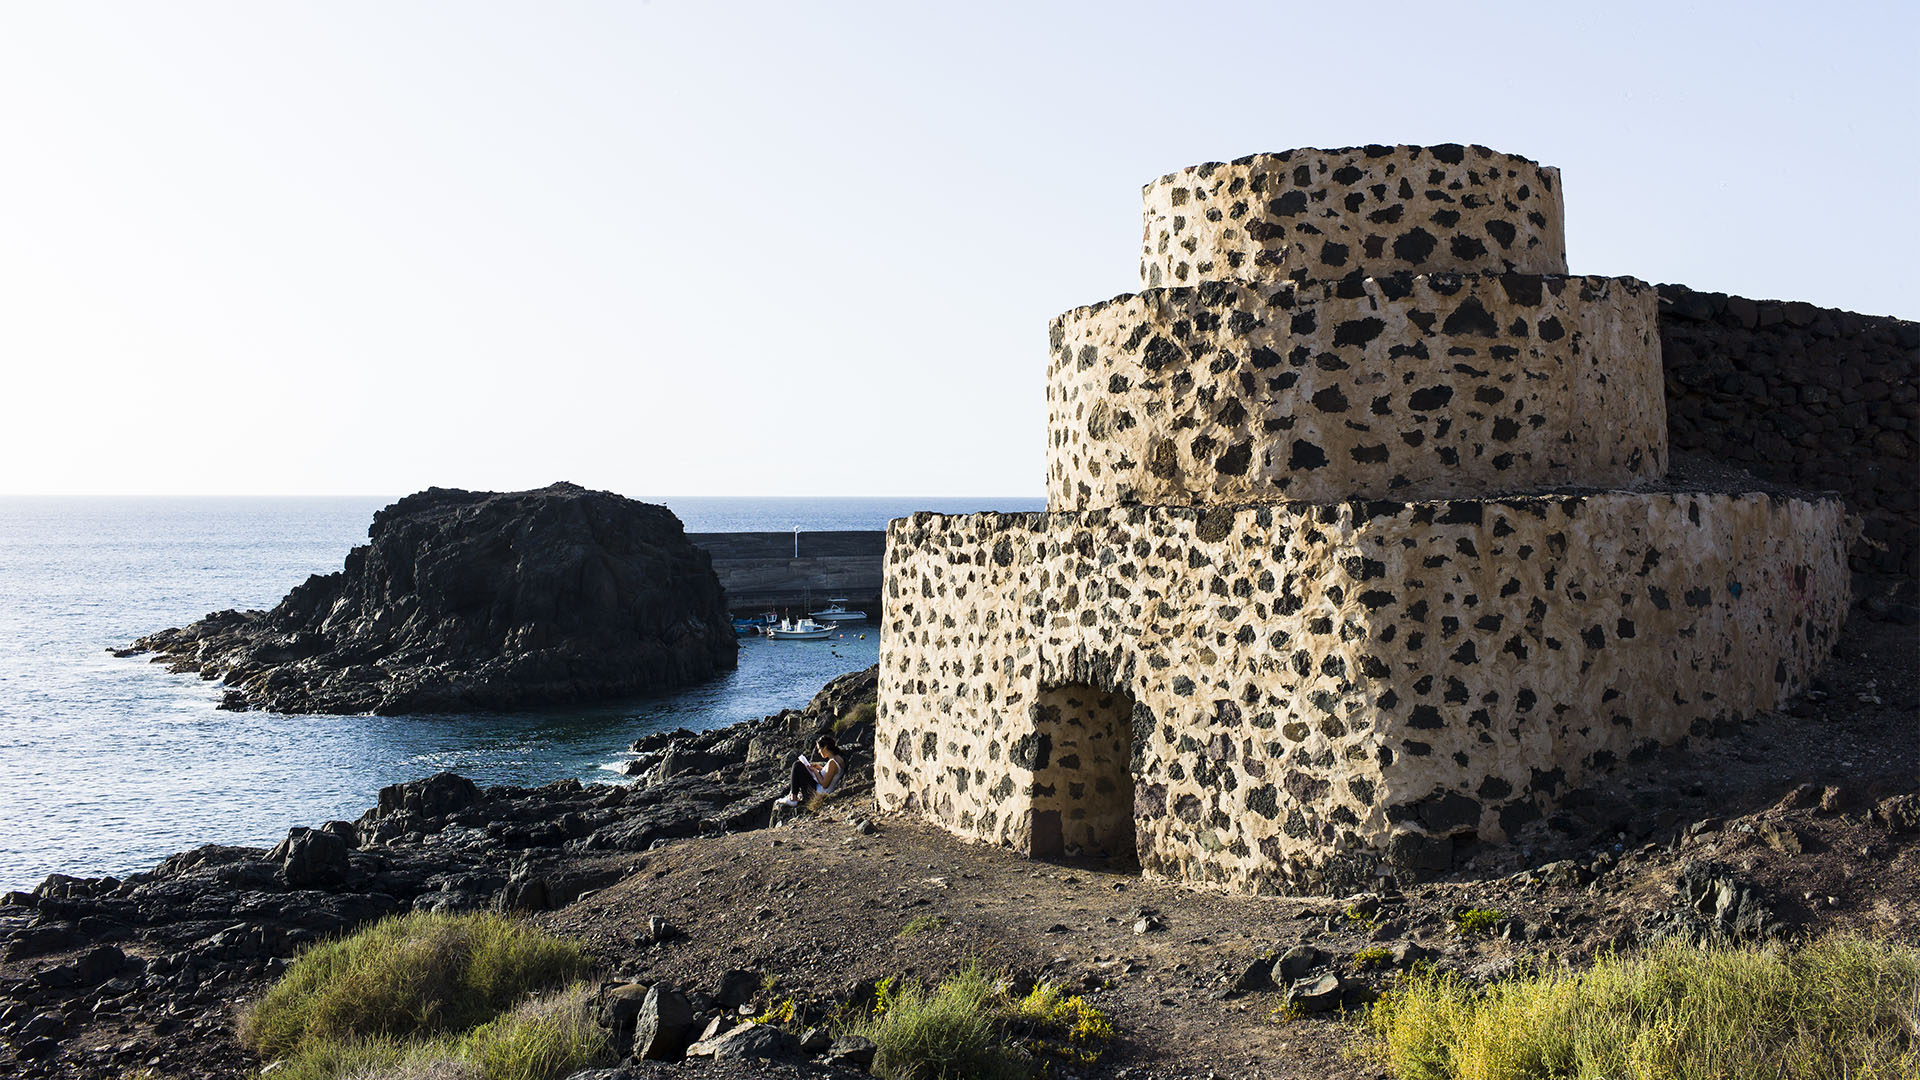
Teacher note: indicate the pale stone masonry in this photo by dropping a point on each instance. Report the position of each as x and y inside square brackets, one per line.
[1401, 386]
[1352, 555]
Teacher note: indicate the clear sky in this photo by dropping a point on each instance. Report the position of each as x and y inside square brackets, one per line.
[797, 248]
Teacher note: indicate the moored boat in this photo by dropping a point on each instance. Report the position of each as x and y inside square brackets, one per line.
[837, 611]
[798, 630]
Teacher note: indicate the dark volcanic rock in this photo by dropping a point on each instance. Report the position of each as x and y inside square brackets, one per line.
[477, 600]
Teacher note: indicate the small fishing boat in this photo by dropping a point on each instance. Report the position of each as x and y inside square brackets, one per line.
[837, 611]
[757, 624]
[798, 630]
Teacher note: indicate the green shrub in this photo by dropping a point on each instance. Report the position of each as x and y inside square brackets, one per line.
[1840, 1008]
[970, 1027]
[416, 974]
[1477, 921]
[1373, 956]
[943, 1034]
[780, 1013]
[862, 713]
[1060, 1026]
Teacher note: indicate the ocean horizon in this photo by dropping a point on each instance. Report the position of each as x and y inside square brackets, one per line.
[108, 765]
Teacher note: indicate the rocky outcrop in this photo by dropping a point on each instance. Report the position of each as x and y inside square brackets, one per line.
[467, 600]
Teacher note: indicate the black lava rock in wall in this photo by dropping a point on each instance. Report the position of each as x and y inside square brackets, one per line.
[478, 600]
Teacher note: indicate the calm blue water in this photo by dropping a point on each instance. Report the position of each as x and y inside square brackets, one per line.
[107, 765]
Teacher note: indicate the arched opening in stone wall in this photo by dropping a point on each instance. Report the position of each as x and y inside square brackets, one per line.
[1080, 751]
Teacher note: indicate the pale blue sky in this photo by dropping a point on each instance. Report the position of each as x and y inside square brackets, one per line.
[796, 248]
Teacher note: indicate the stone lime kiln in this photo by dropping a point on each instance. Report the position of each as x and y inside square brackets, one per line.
[1360, 545]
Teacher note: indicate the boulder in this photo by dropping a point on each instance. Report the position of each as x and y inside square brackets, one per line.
[1321, 993]
[1901, 813]
[839, 696]
[525, 891]
[1294, 964]
[1408, 953]
[436, 796]
[662, 1026]
[851, 1052]
[1718, 904]
[313, 859]
[1257, 976]
[737, 988]
[98, 964]
[749, 1042]
[465, 600]
[617, 1009]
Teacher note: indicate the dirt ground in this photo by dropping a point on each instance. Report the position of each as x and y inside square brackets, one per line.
[1786, 804]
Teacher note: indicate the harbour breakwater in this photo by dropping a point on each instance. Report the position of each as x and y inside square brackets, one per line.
[791, 571]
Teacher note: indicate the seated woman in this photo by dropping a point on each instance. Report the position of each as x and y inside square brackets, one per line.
[810, 779]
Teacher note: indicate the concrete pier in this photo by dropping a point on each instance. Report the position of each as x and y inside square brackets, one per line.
[760, 571]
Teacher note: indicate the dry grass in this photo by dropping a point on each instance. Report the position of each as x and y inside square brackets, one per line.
[428, 997]
[971, 1028]
[1839, 1009]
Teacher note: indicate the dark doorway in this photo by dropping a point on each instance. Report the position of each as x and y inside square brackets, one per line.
[1081, 753]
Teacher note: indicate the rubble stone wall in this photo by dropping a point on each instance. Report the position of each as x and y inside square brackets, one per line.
[1404, 386]
[1360, 543]
[1319, 690]
[1363, 210]
[1808, 396]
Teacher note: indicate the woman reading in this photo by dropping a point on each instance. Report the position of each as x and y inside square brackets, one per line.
[810, 778]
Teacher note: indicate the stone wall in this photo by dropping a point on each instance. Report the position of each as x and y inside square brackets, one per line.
[1808, 396]
[1316, 690]
[1402, 386]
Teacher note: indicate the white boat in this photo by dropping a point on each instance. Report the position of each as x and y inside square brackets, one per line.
[837, 611]
[798, 630]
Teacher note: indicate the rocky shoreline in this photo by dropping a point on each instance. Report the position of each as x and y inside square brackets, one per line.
[137, 972]
[1800, 823]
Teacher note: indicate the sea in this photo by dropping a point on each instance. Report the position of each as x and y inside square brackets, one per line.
[108, 765]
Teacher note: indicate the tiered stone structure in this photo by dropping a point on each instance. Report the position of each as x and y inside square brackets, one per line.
[1358, 545]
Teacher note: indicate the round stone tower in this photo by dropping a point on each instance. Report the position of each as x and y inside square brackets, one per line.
[1395, 322]
[1359, 546]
